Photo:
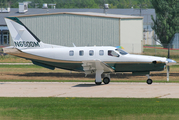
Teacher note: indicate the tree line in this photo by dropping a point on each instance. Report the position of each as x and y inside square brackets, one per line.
[81, 3]
[166, 23]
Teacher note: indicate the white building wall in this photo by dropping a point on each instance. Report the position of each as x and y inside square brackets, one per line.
[131, 35]
[148, 38]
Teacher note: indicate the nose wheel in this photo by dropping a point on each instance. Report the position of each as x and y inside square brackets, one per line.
[149, 81]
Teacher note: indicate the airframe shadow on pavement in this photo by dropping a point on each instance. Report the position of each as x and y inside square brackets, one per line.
[87, 85]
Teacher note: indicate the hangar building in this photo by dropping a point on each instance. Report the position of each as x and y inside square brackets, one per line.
[87, 29]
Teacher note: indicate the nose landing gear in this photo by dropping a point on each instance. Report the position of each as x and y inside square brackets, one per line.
[149, 81]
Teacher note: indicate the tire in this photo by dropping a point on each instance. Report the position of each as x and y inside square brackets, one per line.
[106, 80]
[98, 83]
[149, 81]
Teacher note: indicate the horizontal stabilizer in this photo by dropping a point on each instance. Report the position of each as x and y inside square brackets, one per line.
[43, 65]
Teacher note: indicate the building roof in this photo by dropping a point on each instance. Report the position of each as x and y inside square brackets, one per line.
[87, 14]
[121, 13]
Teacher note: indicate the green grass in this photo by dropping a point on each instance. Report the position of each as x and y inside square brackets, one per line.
[89, 108]
[174, 54]
[13, 59]
[8, 56]
[154, 46]
[20, 66]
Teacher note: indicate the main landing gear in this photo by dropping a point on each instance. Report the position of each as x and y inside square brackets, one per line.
[98, 80]
[106, 80]
[149, 81]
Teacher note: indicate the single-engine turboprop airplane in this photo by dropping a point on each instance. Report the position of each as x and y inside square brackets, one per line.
[97, 60]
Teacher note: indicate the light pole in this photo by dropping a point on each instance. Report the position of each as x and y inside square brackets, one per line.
[168, 68]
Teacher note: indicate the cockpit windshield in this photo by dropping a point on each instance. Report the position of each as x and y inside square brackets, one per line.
[122, 52]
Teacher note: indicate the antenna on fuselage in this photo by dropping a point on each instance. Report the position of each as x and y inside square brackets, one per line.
[74, 45]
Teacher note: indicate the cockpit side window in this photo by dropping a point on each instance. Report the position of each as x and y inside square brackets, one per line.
[112, 53]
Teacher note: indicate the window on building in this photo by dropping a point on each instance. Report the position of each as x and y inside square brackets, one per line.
[81, 52]
[5, 37]
[71, 52]
[91, 52]
[0, 38]
[112, 53]
[25, 7]
[101, 52]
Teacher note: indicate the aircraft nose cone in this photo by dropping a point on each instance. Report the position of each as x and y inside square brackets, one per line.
[170, 62]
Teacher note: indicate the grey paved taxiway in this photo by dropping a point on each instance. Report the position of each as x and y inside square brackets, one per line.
[88, 89]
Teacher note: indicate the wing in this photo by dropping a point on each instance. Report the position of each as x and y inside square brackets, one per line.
[92, 65]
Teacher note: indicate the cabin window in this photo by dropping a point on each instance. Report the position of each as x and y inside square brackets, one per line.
[71, 52]
[91, 52]
[81, 52]
[101, 52]
[112, 53]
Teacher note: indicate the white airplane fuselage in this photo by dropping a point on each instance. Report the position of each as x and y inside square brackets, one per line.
[94, 59]
[61, 58]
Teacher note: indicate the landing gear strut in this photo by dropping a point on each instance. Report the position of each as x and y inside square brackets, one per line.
[98, 77]
[149, 81]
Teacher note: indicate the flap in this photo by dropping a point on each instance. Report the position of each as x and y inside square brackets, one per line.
[92, 65]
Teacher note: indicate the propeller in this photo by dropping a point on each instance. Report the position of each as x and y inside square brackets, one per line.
[169, 62]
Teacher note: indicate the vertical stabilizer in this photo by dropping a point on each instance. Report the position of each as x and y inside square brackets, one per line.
[22, 37]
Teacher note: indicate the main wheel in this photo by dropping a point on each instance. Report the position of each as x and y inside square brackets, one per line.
[149, 81]
[98, 83]
[106, 80]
